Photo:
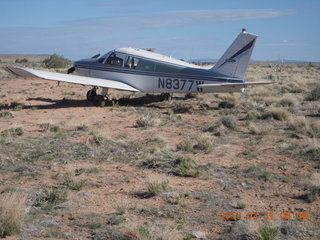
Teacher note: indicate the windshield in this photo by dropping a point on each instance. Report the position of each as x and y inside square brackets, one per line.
[103, 58]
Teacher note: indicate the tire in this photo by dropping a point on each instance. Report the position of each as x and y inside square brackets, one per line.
[99, 101]
[165, 96]
[91, 95]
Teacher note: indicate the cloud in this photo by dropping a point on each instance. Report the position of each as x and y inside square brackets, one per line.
[177, 18]
[99, 33]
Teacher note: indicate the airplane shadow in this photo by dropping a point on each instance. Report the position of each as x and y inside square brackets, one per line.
[143, 101]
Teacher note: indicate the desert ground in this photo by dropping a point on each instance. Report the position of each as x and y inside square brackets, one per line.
[201, 166]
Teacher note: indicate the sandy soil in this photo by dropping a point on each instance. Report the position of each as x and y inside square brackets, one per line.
[202, 203]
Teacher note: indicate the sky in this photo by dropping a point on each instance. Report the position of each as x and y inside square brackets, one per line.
[184, 29]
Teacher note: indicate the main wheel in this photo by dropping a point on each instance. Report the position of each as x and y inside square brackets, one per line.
[91, 94]
[165, 96]
[99, 101]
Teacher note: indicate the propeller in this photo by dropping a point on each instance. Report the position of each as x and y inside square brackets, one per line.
[71, 70]
[96, 56]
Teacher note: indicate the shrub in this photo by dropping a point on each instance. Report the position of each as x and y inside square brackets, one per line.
[314, 130]
[16, 106]
[71, 183]
[12, 132]
[229, 103]
[241, 205]
[50, 198]
[185, 145]
[314, 95]
[82, 127]
[255, 171]
[176, 164]
[48, 127]
[203, 143]
[268, 232]
[311, 151]
[56, 61]
[186, 167]
[12, 209]
[303, 125]
[253, 129]
[149, 120]
[229, 121]
[279, 113]
[23, 60]
[298, 123]
[314, 194]
[181, 108]
[6, 114]
[288, 102]
[155, 187]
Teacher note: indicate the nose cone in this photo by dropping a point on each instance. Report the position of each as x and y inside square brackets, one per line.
[84, 61]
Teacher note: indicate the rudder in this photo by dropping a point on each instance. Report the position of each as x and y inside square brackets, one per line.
[234, 62]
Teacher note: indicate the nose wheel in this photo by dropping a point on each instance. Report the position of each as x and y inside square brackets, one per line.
[91, 94]
[97, 99]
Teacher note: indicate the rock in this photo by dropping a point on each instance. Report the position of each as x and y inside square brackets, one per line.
[198, 234]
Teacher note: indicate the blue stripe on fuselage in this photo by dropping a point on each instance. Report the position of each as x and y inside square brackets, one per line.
[159, 74]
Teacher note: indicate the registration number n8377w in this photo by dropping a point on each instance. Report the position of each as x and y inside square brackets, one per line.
[178, 84]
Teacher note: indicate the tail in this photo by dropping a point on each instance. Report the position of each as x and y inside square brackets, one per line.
[235, 60]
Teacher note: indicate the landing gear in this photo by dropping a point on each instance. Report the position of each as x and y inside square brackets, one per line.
[91, 94]
[98, 99]
[165, 96]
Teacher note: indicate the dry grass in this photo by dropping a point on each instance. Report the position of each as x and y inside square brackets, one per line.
[12, 211]
[117, 160]
[302, 125]
[279, 113]
[148, 120]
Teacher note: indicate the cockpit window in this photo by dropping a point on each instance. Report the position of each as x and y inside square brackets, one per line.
[115, 60]
[131, 62]
[101, 59]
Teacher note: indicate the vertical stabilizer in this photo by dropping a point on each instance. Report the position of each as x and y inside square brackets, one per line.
[235, 60]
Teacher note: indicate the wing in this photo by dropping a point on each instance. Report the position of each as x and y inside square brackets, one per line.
[61, 77]
[230, 87]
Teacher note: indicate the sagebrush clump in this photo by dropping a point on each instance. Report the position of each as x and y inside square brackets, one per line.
[12, 211]
[56, 61]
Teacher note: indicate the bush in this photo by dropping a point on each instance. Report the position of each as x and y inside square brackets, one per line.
[186, 167]
[314, 95]
[279, 113]
[229, 121]
[48, 127]
[226, 104]
[50, 198]
[6, 114]
[155, 187]
[202, 143]
[268, 232]
[56, 61]
[71, 183]
[12, 208]
[149, 120]
[12, 132]
[314, 194]
[23, 60]
[311, 151]
[181, 108]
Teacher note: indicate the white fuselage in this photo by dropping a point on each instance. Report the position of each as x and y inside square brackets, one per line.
[155, 74]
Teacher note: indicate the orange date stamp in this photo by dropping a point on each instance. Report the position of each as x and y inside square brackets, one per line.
[267, 215]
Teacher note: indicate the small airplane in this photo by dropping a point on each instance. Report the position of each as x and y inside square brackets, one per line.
[139, 70]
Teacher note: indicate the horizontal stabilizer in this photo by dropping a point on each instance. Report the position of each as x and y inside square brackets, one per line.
[244, 84]
[230, 87]
[61, 77]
